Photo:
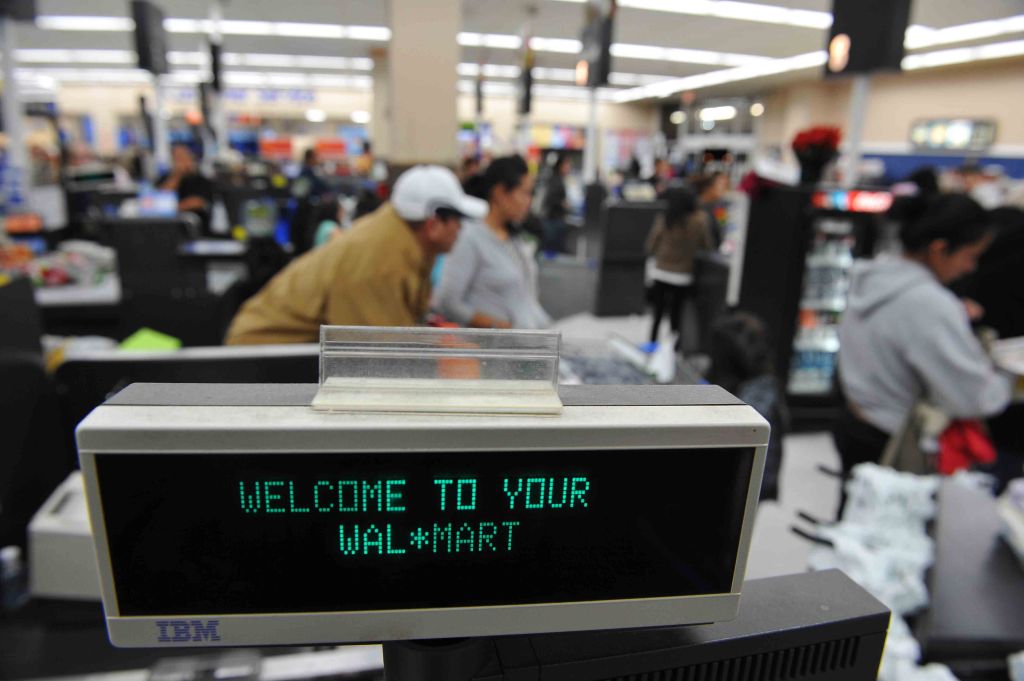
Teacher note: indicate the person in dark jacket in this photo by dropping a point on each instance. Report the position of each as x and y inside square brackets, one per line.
[676, 238]
[741, 362]
[556, 207]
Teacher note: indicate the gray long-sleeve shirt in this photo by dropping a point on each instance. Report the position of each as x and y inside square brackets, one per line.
[903, 336]
[484, 274]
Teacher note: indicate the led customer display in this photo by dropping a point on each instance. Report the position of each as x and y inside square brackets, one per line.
[380, 538]
[279, 533]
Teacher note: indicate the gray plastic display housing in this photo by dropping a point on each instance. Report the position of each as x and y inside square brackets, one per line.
[247, 421]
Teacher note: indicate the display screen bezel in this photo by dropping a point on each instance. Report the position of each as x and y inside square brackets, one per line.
[370, 626]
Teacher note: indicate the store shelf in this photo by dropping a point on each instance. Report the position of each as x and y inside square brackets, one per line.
[826, 305]
[808, 387]
[829, 345]
[843, 262]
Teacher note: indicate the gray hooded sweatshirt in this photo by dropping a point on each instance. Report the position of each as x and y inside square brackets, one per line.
[905, 335]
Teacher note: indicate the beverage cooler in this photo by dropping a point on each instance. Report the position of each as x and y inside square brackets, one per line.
[799, 250]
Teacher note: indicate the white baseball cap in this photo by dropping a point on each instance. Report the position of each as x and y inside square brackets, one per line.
[421, 190]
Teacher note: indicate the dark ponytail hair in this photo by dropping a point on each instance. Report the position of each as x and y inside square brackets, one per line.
[955, 218]
[740, 350]
[680, 204]
[507, 171]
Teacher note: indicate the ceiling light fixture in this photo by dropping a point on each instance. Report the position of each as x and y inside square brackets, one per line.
[682, 55]
[718, 113]
[677, 118]
[963, 55]
[84, 23]
[557, 45]
[769, 67]
[918, 37]
[287, 29]
[493, 40]
[728, 9]
[757, 109]
[360, 117]
[316, 115]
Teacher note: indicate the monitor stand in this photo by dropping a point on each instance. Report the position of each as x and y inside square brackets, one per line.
[451, 659]
[815, 626]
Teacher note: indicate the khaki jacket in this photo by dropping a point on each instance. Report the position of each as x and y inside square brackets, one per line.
[674, 249]
[376, 274]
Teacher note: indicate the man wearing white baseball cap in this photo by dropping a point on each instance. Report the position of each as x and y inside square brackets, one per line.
[375, 274]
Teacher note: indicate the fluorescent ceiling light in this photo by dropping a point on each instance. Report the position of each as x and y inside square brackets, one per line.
[469, 70]
[493, 40]
[559, 45]
[288, 29]
[316, 115]
[623, 50]
[505, 89]
[195, 59]
[189, 26]
[343, 82]
[630, 79]
[235, 27]
[84, 23]
[545, 73]
[36, 56]
[377, 33]
[317, 62]
[963, 55]
[769, 67]
[87, 75]
[304, 30]
[920, 36]
[360, 117]
[264, 60]
[718, 113]
[187, 77]
[728, 9]
[684, 56]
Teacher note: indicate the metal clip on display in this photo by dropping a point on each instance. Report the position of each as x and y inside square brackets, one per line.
[454, 371]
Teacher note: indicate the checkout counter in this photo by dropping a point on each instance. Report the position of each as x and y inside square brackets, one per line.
[598, 436]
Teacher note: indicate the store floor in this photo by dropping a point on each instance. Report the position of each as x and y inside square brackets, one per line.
[775, 550]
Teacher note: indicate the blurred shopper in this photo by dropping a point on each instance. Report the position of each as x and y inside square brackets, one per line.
[489, 279]
[982, 184]
[195, 192]
[375, 274]
[470, 167]
[332, 219]
[905, 336]
[556, 206]
[310, 181]
[925, 181]
[711, 190]
[678, 235]
[741, 362]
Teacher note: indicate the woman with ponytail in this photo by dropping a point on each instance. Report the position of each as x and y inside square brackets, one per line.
[906, 336]
[489, 278]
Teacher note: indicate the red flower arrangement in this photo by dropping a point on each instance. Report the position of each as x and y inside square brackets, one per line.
[815, 148]
[821, 137]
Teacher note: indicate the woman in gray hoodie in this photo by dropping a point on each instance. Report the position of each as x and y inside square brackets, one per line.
[906, 336]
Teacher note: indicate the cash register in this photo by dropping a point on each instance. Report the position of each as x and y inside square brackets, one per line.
[436, 490]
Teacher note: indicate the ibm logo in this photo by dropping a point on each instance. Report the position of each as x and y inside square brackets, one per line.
[188, 631]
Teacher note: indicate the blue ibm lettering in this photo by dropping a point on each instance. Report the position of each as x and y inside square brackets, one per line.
[188, 631]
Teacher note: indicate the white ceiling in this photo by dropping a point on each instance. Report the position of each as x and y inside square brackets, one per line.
[554, 19]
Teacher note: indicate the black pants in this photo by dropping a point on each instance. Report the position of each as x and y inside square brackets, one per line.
[667, 296]
[857, 442]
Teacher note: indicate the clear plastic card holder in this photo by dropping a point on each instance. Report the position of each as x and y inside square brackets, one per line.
[436, 370]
